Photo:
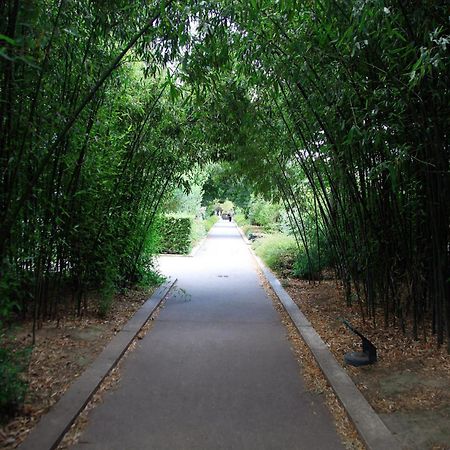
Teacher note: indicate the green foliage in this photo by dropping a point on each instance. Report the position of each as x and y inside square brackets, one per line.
[151, 278]
[176, 233]
[186, 203]
[248, 229]
[278, 251]
[148, 275]
[198, 231]
[310, 265]
[210, 222]
[308, 268]
[241, 220]
[227, 206]
[339, 110]
[106, 298]
[264, 213]
[13, 388]
[9, 292]
[226, 182]
[90, 152]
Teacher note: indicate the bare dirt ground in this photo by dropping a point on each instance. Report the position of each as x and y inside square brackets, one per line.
[409, 386]
[61, 353]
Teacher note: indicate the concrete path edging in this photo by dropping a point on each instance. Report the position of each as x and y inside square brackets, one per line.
[52, 427]
[372, 430]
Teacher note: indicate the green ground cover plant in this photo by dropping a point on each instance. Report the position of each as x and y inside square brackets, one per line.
[12, 385]
[278, 251]
[264, 213]
[210, 222]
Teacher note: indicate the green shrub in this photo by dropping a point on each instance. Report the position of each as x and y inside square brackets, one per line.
[15, 286]
[198, 231]
[175, 234]
[240, 219]
[278, 251]
[265, 214]
[106, 298]
[210, 221]
[311, 269]
[12, 386]
[308, 269]
[147, 273]
[201, 228]
[227, 206]
[151, 278]
[244, 223]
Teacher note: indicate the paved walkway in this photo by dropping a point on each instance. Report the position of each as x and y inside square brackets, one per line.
[215, 371]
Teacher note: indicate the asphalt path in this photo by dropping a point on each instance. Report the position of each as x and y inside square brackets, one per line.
[216, 371]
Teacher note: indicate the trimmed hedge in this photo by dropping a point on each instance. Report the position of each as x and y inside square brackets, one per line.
[175, 234]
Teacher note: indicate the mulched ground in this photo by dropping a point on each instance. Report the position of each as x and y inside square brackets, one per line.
[63, 350]
[409, 386]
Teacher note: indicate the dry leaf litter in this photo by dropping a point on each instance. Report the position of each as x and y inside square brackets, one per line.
[62, 351]
[411, 378]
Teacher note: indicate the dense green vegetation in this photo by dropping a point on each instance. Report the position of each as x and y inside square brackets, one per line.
[175, 234]
[12, 386]
[278, 251]
[339, 111]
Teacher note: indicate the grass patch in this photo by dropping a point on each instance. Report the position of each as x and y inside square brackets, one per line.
[240, 219]
[201, 228]
[210, 222]
[278, 251]
[245, 225]
[198, 232]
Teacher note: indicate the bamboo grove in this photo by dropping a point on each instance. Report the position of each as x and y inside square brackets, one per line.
[89, 147]
[341, 109]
